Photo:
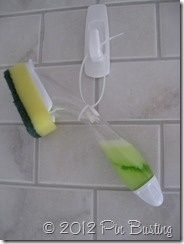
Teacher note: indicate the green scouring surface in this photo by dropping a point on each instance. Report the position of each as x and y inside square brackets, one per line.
[19, 105]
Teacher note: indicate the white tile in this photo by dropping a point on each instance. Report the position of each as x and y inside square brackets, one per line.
[17, 154]
[142, 90]
[64, 36]
[139, 26]
[31, 5]
[120, 207]
[23, 212]
[172, 156]
[170, 29]
[71, 155]
[20, 39]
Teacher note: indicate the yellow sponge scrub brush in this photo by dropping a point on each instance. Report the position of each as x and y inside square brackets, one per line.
[31, 99]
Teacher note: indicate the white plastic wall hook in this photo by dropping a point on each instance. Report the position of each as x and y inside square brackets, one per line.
[97, 49]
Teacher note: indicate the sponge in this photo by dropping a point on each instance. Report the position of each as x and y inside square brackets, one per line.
[29, 100]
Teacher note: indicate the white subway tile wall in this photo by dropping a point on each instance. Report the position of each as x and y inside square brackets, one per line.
[144, 90]
[28, 209]
[65, 177]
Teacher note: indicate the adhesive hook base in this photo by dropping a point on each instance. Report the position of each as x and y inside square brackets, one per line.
[97, 48]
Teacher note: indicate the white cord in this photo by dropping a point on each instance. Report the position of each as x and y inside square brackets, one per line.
[53, 111]
[80, 79]
[80, 85]
[82, 111]
[104, 81]
[81, 93]
[112, 37]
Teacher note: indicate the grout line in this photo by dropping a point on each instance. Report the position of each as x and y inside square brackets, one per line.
[77, 187]
[162, 156]
[42, 30]
[62, 63]
[57, 123]
[143, 122]
[121, 122]
[70, 123]
[116, 60]
[38, 65]
[95, 213]
[17, 184]
[113, 60]
[17, 14]
[40, 11]
[11, 123]
[158, 30]
[64, 186]
[35, 178]
[65, 9]
[137, 3]
[171, 190]
[2, 67]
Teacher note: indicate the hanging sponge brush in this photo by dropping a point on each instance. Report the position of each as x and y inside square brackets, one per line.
[31, 99]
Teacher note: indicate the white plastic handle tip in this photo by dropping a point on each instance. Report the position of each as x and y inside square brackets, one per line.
[151, 192]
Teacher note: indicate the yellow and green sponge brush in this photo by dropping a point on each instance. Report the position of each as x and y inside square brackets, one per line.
[31, 99]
